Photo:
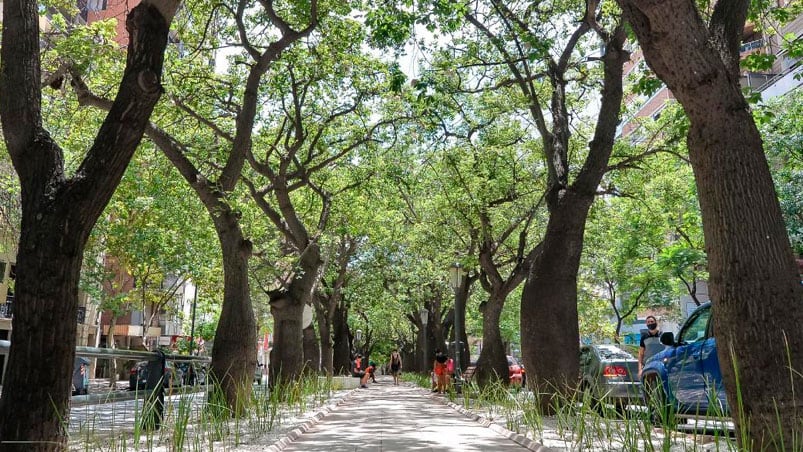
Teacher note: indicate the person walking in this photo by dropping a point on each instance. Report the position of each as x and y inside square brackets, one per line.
[650, 343]
[395, 366]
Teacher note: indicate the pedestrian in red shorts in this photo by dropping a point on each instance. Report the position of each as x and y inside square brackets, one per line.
[441, 373]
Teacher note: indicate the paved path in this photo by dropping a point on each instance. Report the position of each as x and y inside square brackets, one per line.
[385, 417]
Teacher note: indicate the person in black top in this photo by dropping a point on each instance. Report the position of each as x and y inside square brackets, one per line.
[650, 343]
[395, 365]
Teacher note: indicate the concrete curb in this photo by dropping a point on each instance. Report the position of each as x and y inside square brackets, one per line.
[517, 438]
[292, 435]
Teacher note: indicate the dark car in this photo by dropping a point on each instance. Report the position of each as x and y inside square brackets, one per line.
[138, 376]
[609, 374]
[685, 377]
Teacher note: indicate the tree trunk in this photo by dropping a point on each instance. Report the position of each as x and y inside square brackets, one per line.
[754, 283]
[327, 347]
[285, 357]
[492, 363]
[424, 350]
[287, 308]
[550, 333]
[58, 214]
[341, 357]
[234, 355]
[549, 326]
[312, 351]
[462, 342]
[111, 345]
[37, 368]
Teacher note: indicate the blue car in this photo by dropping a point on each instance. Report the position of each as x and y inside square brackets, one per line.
[685, 377]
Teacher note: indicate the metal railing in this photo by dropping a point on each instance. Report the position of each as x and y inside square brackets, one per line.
[156, 361]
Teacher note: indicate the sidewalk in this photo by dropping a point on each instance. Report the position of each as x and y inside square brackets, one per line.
[385, 417]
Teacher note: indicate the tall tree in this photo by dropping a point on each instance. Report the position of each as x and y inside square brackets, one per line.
[495, 188]
[754, 281]
[59, 211]
[323, 122]
[329, 300]
[538, 68]
[233, 357]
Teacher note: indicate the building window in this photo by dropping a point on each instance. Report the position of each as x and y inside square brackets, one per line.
[95, 5]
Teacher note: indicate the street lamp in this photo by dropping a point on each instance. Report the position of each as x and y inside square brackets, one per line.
[192, 334]
[456, 275]
[424, 313]
[357, 339]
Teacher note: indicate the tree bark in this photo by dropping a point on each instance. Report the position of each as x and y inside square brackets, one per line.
[327, 347]
[341, 357]
[492, 362]
[758, 298]
[58, 214]
[234, 355]
[549, 320]
[550, 300]
[285, 357]
[312, 351]
[326, 305]
[287, 308]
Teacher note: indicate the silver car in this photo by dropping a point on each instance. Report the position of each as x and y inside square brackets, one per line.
[609, 375]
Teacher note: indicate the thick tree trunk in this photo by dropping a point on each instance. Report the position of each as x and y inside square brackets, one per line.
[341, 357]
[287, 308]
[58, 214]
[758, 300]
[549, 305]
[327, 348]
[550, 334]
[754, 284]
[424, 351]
[312, 351]
[234, 355]
[492, 363]
[286, 355]
[436, 336]
[37, 388]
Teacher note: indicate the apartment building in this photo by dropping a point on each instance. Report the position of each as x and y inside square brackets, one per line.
[785, 75]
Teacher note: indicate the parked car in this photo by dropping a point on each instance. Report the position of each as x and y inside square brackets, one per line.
[515, 371]
[609, 374]
[138, 376]
[685, 377]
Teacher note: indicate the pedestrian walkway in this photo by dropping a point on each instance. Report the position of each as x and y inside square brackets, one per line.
[385, 417]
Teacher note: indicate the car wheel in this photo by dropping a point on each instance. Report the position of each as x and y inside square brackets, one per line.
[662, 414]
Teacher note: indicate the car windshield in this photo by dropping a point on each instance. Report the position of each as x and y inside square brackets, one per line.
[613, 353]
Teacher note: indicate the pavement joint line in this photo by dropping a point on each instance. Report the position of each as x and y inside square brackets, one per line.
[518, 438]
[292, 435]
